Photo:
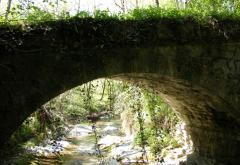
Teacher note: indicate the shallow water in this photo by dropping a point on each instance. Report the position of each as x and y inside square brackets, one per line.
[80, 148]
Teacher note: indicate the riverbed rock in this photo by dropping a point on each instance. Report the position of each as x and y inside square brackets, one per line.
[110, 140]
[110, 130]
[80, 130]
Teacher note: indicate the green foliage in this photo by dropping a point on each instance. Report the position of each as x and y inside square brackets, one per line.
[83, 14]
[213, 5]
[158, 133]
[161, 114]
[101, 14]
[2, 19]
[142, 137]
[198, 10]
[36, 14]
[156, 121]
[40, 126]
[153, 13]
[28, 129]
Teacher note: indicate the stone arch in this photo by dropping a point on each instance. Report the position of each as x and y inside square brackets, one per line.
[199, 80]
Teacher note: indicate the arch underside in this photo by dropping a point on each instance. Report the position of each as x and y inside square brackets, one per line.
[199, 81]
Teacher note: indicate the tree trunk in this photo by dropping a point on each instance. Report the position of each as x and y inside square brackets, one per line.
[79, 4]
[157, 3]
[94, 6]
[110, 95]
[136, 3]
[57, 4]
[177, 4]
[8, 9]
[103, 91]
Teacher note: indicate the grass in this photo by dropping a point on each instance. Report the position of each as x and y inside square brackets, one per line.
[150, 13]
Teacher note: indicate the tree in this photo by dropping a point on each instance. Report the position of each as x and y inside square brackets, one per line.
[122, 5]
[137, 3]
[111, 97]
[157, 3]
[78, 6]
[103, 89]
[8, 9]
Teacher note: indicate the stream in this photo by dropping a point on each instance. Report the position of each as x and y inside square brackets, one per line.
[81, 147]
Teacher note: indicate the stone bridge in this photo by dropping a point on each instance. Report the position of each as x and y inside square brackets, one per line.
[194, 67]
